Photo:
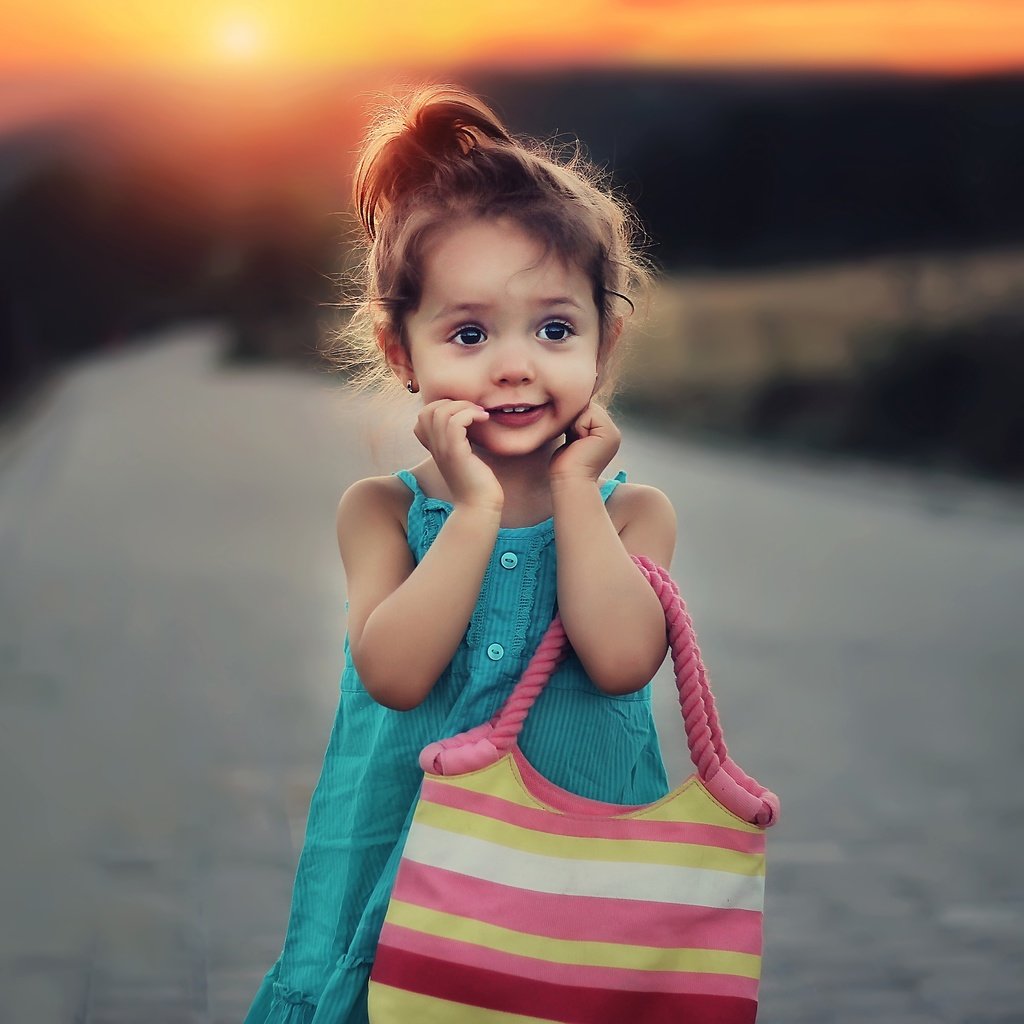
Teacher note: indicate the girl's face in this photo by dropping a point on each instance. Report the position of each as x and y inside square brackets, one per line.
[506, 327]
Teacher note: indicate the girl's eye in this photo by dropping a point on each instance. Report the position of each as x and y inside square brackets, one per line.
[556, 330]
[468, 336]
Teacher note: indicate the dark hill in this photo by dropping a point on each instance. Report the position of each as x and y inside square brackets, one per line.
[734, 170]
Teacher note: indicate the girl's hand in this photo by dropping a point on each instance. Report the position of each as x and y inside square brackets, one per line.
[441, 428]
[591, 441]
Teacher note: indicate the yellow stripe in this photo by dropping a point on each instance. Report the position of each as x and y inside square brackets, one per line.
[499, 779]
[395, 1004]
[692, 802]
[626, 851]
[565, 951]
[688, 802]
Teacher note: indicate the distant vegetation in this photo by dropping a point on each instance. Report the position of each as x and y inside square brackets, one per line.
[916, 359]
[738, 177]
[89, 260]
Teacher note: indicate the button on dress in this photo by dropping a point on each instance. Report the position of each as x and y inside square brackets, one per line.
[583, 740]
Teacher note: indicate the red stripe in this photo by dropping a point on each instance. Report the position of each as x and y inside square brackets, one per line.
[630, 979]
[537, 820]
[567, 1004]
[579, 918]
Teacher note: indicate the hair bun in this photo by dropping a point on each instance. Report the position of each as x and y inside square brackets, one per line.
[410, 147]
[445, 119]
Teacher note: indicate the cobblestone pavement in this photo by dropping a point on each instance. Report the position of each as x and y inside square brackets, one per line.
[170, 644]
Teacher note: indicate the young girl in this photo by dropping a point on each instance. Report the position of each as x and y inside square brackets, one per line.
[496, 282]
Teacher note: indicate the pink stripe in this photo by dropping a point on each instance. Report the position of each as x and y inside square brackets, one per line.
[581, 918]
[538, 820]
[625, 979]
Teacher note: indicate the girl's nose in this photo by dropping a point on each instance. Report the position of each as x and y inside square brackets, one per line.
[513, 365]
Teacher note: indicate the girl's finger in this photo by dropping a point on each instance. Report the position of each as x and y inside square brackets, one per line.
[582, 424]
[593, 420]
[459, 421]
[444, 427]
[467, 417]
[435, 417]
[443, 424]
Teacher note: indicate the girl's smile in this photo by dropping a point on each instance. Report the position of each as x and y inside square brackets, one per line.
[517, 416]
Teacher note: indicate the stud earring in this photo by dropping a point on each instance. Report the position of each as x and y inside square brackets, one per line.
[410, 387]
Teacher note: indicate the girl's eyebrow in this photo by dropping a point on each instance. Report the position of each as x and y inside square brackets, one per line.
[473, 307]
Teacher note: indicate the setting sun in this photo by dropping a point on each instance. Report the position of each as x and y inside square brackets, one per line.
[240, 38]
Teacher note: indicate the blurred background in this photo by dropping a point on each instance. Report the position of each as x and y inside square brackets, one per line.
[827, 386]
[831, 189]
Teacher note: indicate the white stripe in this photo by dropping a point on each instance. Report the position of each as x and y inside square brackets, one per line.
[662, 883]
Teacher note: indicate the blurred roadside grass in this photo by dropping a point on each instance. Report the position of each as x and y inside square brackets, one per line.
[916, 358]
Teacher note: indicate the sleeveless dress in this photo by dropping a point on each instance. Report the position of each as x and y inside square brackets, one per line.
[583, 740]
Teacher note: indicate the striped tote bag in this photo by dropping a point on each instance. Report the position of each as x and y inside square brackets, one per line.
[518, 902]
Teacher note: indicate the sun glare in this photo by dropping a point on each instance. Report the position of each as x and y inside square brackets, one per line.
[240, 38]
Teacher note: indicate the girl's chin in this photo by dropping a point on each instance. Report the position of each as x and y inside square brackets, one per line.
[513, 443]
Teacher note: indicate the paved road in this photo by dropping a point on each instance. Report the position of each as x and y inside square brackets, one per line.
[170, 644]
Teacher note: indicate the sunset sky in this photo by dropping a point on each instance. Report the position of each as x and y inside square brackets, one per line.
[210, 35]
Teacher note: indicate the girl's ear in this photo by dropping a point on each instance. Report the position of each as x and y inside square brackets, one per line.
[395, 355]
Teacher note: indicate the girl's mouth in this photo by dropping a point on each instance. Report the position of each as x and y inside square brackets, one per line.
[516, 415]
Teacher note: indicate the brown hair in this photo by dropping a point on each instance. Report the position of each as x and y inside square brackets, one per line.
[444, 156]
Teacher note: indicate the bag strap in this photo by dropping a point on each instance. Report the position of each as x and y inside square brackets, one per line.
[722, 777]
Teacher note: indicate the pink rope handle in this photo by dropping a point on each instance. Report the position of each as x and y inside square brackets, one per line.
[723, 778]
[484, 744]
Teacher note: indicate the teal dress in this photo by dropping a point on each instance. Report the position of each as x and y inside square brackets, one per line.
[585, 741]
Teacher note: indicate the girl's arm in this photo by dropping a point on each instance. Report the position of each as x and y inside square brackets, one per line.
[612, 616]
[406, 620]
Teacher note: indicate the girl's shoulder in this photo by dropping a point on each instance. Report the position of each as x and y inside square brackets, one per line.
[645, 520]
[629, 500]
[378, 500]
